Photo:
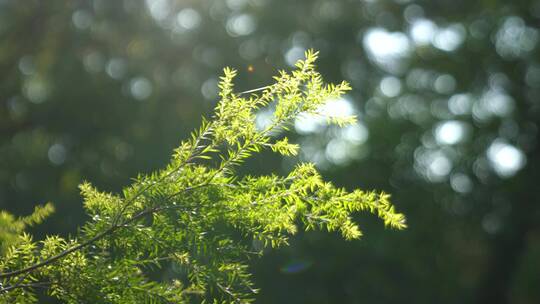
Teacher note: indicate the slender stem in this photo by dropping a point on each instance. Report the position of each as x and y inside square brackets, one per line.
[97, 237]
[227, 291]
[75, 248]
[195, 149]
[30, 285]
[255, 90]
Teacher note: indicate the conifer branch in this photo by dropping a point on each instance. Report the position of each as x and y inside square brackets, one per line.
[96, 238]
[267, 209]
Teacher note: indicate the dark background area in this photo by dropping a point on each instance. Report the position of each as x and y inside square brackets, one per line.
[448, 99]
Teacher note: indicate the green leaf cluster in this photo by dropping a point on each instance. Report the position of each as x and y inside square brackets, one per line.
[12, 227]
[197, 218]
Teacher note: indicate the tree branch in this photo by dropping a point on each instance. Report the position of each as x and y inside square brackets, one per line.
[29, 285]
[97, 237]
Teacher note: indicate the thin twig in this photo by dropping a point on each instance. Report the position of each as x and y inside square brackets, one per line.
[29, 285]
[195, 149]
[255, 90]
[227, 291]
[97, 237]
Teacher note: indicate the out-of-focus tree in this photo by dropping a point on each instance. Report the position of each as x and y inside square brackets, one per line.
[447, 91]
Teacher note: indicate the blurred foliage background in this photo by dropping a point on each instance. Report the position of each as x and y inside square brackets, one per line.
[447, 92]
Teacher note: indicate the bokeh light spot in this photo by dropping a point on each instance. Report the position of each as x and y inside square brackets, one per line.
[26, 65]
[294, 54]
[116, 68]
[460, 104]
[140, 88]
[450, 132]
[241, 25]
[385, 45]
[423, 31]
[93, 62]
[57, 154]
[209, 89]
[514, 38]
[82, 19]
[461, 183]
[188, 19]
[159, 9]
[450, 38]
[390, 86]
[445, 84]
[493, 103]
[505, 159]
[36, 89]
